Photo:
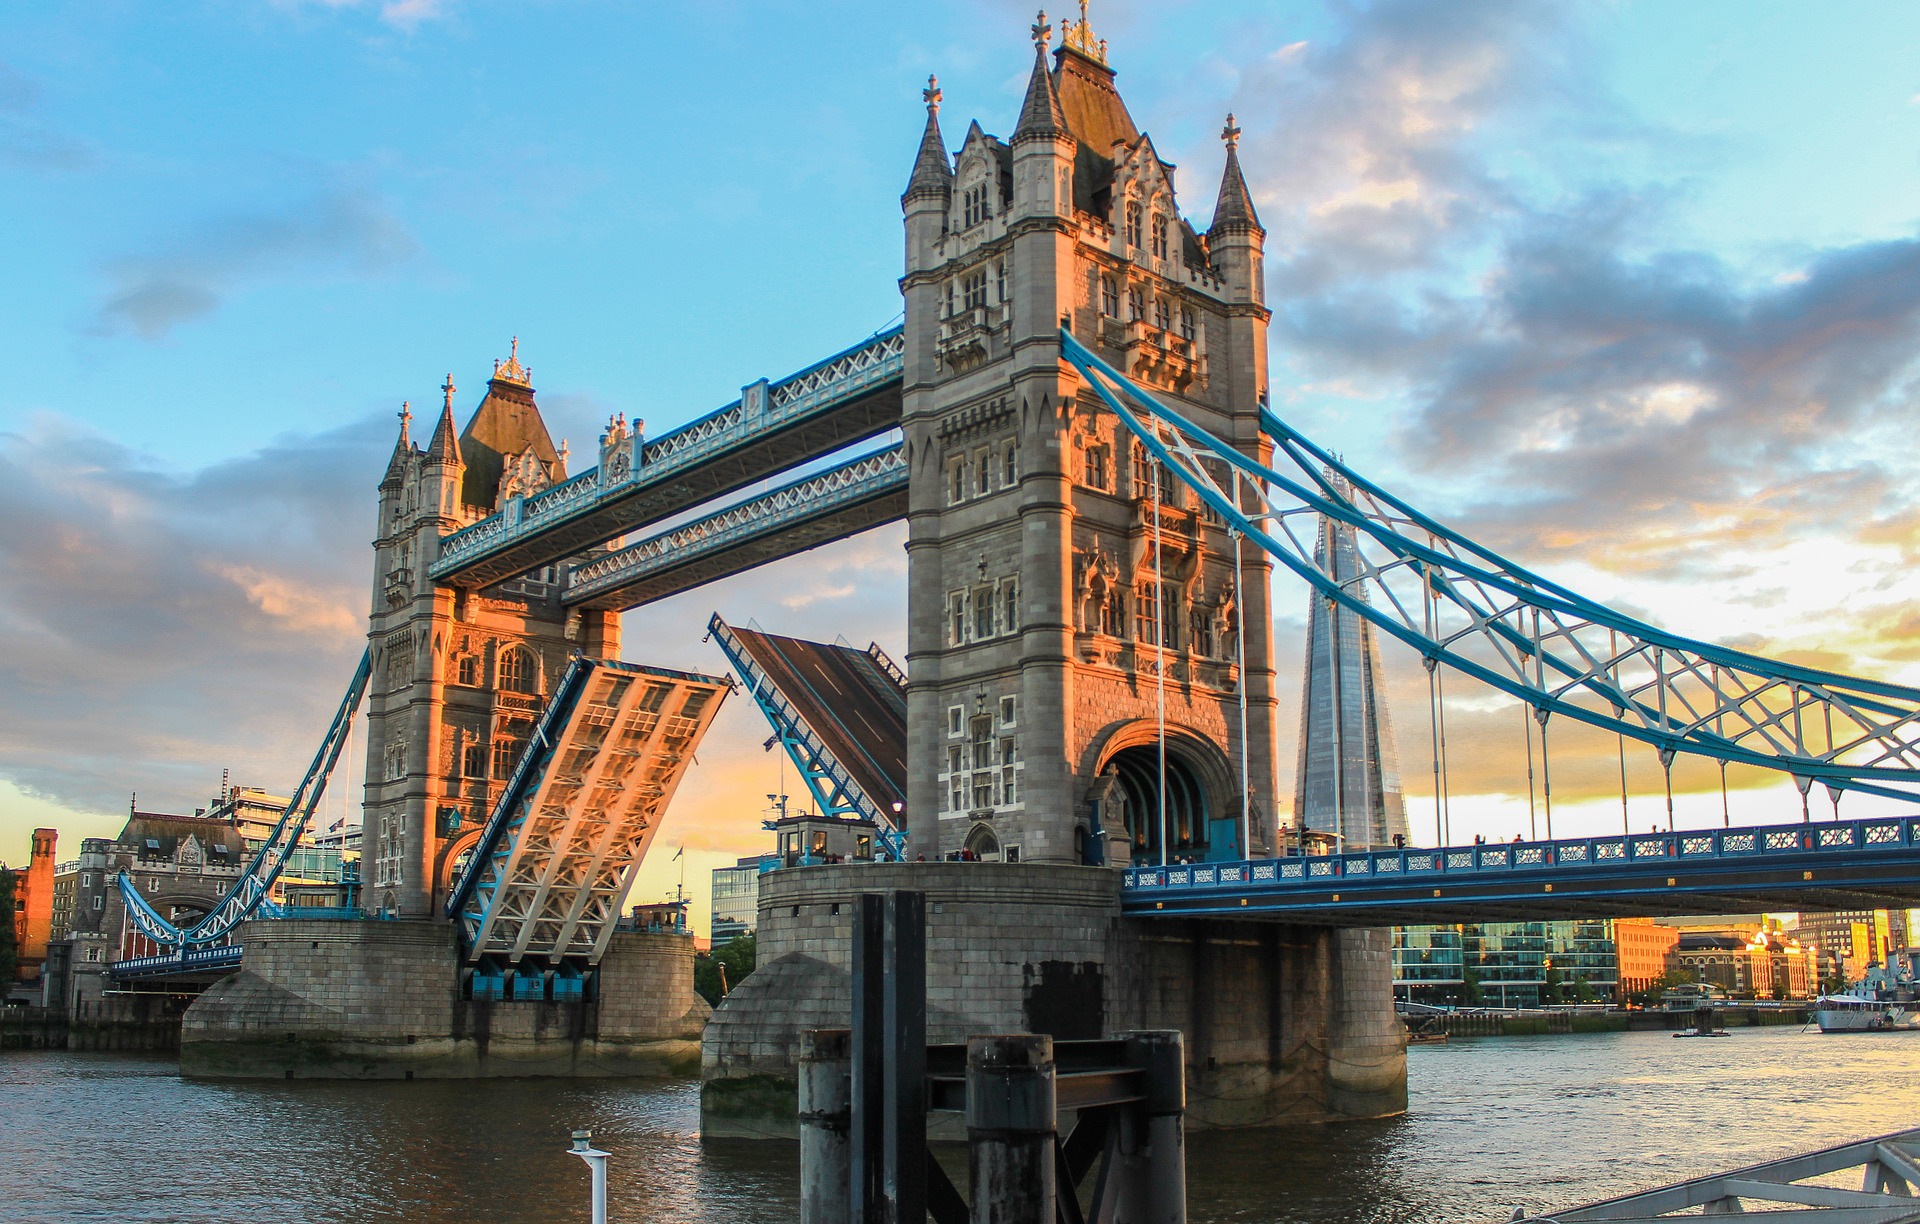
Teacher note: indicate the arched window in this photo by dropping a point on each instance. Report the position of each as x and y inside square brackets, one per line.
[468, 670]
[516, 671]
[1013, 466]
[1135, 237]
[1159, 236]
[473, 759]
[505, 751]
[1109, 298]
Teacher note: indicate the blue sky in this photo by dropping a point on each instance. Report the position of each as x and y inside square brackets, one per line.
[1628, 289]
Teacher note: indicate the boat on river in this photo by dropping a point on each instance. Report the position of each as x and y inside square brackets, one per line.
[1881, 1002]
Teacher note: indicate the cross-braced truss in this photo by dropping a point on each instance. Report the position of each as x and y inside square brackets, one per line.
[1889, 1178]
[1462, 605]
[557, 857]
[249, 892]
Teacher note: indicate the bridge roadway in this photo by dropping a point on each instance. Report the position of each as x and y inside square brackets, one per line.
[1843, 865]
[773, 427]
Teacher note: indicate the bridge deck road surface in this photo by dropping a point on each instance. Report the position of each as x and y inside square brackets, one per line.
[851, 704]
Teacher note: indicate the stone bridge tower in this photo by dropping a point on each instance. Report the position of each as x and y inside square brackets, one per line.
[1059, 599]
[458, 677]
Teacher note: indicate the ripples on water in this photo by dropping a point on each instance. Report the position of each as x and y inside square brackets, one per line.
[1495, 1124]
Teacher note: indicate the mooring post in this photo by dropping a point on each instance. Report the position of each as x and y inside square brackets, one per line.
[868, 1071]
[905, 1016]
[1012, 1126]
[826, 1114]
[1153, 1187]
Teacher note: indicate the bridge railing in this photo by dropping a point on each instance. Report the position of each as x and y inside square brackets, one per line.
[830, 382]
[862, 478]
[185, 961]
[1621, 851]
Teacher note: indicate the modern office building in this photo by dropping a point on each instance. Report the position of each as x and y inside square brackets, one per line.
[736, 900]
[1505, 964]
[1349, 773]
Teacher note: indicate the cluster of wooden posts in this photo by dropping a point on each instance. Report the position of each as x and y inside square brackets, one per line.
[865, 1094]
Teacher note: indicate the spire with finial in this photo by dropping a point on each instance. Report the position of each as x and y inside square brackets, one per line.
[1233, 212]
[1040, 113]
[1079, 36]
[510, 370]
[397, 464]
[443, 448]
[932, 171]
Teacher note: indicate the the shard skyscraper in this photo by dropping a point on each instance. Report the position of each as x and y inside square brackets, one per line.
[1348, 783]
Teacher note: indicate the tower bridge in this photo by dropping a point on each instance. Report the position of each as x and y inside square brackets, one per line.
[1097, 495]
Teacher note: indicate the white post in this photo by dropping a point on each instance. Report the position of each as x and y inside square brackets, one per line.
[597, 1162]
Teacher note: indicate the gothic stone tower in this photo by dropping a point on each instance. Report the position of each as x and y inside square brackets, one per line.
[1044, 610]
[458, 678]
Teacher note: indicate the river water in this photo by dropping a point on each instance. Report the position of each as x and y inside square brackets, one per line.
[1495, 1123]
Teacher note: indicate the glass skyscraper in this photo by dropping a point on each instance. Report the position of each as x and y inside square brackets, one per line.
[1348, 781]
[1508, 962]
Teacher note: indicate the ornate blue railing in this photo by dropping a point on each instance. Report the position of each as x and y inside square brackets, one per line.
[188, 960]
[821, 386]
[1591, 857]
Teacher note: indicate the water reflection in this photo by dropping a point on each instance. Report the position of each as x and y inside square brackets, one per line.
[1496, 1124]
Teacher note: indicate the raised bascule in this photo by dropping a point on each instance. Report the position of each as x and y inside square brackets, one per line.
[1077, 764]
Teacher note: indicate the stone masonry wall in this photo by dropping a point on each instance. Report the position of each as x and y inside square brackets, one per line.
[1282, 1024]
[381, 1000]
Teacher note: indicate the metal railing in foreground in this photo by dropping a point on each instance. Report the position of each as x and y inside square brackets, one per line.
[1889, 1178]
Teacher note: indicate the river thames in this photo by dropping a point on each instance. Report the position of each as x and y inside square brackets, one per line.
[1495, 1124]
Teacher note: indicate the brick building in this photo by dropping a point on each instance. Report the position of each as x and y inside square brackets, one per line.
[1643, 947]
[33, 906]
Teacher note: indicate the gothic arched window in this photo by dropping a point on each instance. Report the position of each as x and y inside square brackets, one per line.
[516, 671]
[1159, 236]
[1135, 237]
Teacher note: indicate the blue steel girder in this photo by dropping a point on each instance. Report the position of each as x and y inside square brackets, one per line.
[249, 893]
[773, 427]
[1460, 604]
[819, 509]
[835, 791]
[1845, 865]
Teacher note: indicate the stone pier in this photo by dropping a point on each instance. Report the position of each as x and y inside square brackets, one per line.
[1282, 1024]
[382, 1000]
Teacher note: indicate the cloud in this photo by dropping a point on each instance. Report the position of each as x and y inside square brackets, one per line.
[333, 233]
[404, 15]
[1455, 235]
[156, 627]
[26, 142]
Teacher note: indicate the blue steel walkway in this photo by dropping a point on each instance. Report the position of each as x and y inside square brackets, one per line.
[1844, 865]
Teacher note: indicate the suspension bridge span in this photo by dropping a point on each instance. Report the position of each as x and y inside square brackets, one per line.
[1076, 763]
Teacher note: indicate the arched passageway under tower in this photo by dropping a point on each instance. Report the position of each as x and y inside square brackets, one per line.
[1198, 818]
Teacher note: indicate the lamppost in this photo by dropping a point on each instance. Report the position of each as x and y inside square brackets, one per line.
[597, 1162]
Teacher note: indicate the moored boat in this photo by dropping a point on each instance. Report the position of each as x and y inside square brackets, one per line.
[1881, 1002]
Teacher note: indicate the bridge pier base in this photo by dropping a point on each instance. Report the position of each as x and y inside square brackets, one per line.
[1282, 1024]
[381, 1000]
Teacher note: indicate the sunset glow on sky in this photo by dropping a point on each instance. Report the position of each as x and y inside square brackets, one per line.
[1630, 292]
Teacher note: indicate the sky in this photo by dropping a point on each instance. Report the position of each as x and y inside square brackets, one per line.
[1627, 291]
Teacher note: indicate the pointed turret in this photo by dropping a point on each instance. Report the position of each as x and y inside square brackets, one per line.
[443, 449]
[505, 426]
[1233, 212]
[402, 447]
[932, 172]
[1040, 114]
